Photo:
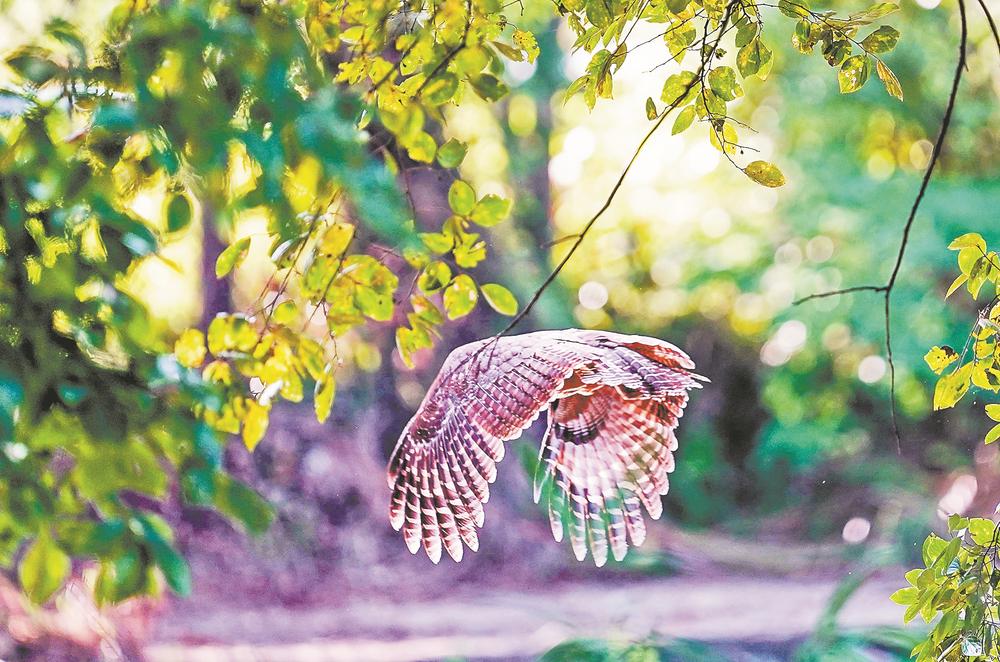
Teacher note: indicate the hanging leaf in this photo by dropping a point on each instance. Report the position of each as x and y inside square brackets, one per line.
[889, 79]
[939, 358]
[883, 40]
[490, 210]
[651, 112]
[323, 395]
[854, 73]
[684, 120]
[178, 213]
[461, 198]
[527, 43]
[764, 173]
[452, 153]
[230, 258]
[500, 299]
[255, 424]
[190, 348]
[951, 387]
[43, 569]
[460, 297]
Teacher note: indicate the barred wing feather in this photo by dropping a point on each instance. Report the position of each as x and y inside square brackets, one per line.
[613, 402]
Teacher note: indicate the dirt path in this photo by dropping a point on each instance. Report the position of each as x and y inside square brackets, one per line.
[516, 624]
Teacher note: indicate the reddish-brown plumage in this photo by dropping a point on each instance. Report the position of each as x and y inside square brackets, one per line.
[613, 401]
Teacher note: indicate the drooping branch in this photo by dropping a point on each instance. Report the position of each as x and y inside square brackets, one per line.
[889, 287]
[721, 32]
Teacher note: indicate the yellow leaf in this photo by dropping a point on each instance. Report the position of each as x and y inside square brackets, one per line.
[952, 387]
[939, 358]
[326, 390]
[336, 238]
[957, 283]
[764, 173]
[460, 297]
[993, 411]
[993, 434]
[500, 299]
[254, 423]
[190, 348]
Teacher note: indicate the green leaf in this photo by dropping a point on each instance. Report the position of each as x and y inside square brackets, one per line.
[460, 297]
[982, 530]
[243, 504]
[754, 59]
[905, 596]
[651, 112]
[287, 311]
[461, 198]
[178, 213]
[764, 173]
[422, 147]
[889, 80]
[43, 569]
[452, 153]
[230, 258]
[323, 395]
[489, 87]
[956, 284]
[854, 73]
[190, 348]
[683, 121]
[436, 242]
[679, 88]
[722, 81]
[993, 434]
[500, 299]
[490, 210]
[679, 38]
[939, 358]
[173, 566]
[435, 275]
[527, 43]
[882, 40]
[793, 8]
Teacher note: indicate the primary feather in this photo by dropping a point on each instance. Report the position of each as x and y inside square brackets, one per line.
[613, 402]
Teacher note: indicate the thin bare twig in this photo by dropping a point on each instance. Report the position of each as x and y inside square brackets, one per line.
[890, 285]
[618, 184]
[993, 25]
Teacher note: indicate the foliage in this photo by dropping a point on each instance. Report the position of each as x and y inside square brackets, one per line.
[979, 362]
[220, 109]
[959, 581]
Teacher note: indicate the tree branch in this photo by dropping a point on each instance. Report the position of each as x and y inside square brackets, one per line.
[890, 285]
[618, 184]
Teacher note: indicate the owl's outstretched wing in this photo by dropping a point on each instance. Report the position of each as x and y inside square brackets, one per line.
[604, 455]
[485, 394]
[490, 391]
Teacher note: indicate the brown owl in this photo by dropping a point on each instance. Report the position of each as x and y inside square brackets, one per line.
[613, 402]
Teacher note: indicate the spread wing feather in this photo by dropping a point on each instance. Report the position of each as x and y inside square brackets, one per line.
[613, 402]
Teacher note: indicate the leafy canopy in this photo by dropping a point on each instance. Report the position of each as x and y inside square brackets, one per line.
[307, 113]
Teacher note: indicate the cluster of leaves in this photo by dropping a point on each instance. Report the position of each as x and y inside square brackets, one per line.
[95, 415]
[218, 108]
[978, 364]
[960, 582]
[703, 27]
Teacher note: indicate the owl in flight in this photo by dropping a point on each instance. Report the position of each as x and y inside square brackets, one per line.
[613, 402]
